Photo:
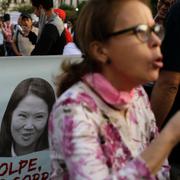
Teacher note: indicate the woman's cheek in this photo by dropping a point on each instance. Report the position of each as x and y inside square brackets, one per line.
[40, 124]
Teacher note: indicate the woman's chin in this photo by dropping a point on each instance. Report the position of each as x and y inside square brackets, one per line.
[154, 76]
[151, 78]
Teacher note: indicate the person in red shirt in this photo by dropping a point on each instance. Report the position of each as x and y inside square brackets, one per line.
[62, 14]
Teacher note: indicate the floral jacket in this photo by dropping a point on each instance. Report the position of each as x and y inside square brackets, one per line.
[97, 133]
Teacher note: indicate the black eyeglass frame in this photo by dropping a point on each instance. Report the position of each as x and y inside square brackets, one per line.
[156, 28]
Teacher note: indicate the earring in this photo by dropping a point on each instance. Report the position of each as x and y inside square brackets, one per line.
[108, 61]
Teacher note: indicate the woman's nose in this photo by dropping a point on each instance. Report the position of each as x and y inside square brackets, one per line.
[154, 41]
[29, 124]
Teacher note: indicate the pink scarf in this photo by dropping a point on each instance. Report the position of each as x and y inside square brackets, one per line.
[107, 92]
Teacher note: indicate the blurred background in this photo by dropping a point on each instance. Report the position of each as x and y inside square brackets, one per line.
[72, 7]
[15, 7]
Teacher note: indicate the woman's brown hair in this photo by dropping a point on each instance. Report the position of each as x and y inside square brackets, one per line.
[96, 20]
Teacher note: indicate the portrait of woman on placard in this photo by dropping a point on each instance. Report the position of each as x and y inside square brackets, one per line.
[25, 121]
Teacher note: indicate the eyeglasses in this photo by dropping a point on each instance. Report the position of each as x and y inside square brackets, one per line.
[142, 31]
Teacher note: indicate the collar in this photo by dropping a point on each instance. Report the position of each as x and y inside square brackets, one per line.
[112, 96]
[51, 17]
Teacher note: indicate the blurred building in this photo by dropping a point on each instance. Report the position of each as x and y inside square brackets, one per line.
[9, 5]
[15, 3]
[69, 2]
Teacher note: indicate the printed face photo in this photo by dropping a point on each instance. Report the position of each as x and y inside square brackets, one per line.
[29, 120]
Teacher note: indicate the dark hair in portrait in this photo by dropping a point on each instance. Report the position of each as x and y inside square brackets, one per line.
[31, 86]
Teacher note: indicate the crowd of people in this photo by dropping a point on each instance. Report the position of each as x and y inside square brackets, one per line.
[103, 125]
[48, 36]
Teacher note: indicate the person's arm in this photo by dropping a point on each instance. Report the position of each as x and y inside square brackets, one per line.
[165, 89]
[74, 131]
[161, 146]
[32, 37]
[14, 47]
[15, 50]
[164, 94]
[48, 37]
[4, 32]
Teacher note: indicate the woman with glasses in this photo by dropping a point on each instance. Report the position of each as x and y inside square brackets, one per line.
[102, 126]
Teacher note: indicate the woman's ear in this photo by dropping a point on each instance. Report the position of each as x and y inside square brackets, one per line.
[98, 51]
